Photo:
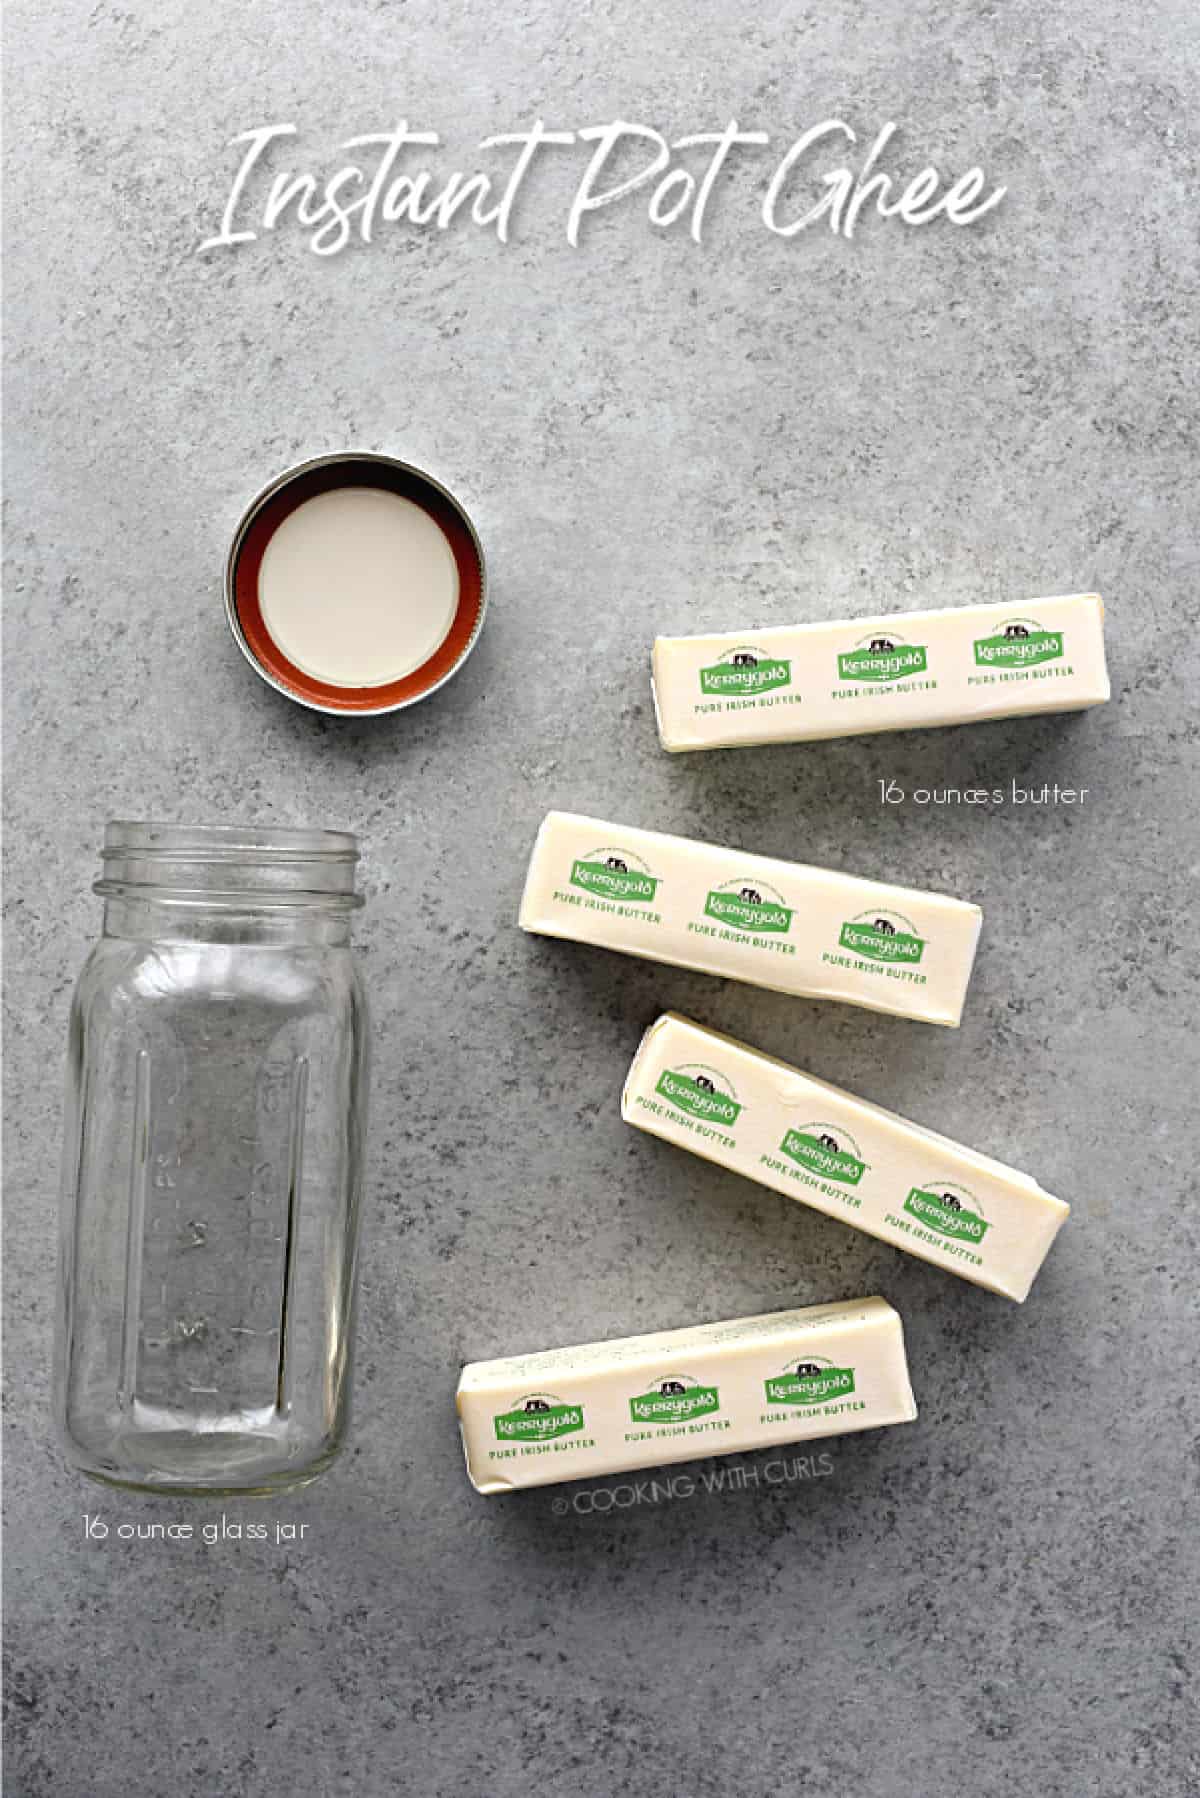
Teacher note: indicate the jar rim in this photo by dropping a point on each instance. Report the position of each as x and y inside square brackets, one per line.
[259, 842]
[225, 867]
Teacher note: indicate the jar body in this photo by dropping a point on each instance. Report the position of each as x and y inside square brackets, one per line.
[216, 1116]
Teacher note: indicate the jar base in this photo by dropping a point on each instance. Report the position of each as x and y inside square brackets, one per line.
[200, 1466]
[162, 1489]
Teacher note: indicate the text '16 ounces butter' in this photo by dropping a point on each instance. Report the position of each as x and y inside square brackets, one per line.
[907, 671]
[853, 1160]
[807, 931]
[682, 1395]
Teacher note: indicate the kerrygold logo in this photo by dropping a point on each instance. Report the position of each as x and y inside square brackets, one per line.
[882, 659]
[818, 1149]
[810, 1383]
[701, 1092]
[744, 672]
[538, 1418]
[615, 874]
[950, 1210]
[750, 906]
[1021, 643]
[675, 1400]
[883, 936]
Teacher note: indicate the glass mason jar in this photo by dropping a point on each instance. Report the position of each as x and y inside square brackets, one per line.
[216, 1113]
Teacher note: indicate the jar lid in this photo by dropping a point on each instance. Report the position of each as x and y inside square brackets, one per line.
[355, 584]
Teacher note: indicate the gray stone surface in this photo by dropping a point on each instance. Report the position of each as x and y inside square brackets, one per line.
[1000, 1599]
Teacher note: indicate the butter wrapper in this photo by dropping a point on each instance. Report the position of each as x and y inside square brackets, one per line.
[683, 1395]
[796, 929]
[850, 1159]
[905, 671]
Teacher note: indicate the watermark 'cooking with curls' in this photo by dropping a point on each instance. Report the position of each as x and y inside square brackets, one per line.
[670, 1488]
[828, 175]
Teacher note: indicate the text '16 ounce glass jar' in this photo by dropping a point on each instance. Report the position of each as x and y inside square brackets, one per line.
[216, 1113]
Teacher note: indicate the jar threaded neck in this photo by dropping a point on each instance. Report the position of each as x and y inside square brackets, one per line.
[229, 864]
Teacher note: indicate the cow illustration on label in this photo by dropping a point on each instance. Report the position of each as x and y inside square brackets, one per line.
[701, 1092]
[1018, 643]
[882, 659]
[749, 906]
[810, 1382]
[820, 1149]
[743, 673]
[615, 874]
[674, 1399]
[883, 936]
[538, 1417]
[951, 1211]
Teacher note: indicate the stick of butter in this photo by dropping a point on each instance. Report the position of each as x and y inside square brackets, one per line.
[908, 671]
[852, 1160]
[795, 929]
[681, 1395]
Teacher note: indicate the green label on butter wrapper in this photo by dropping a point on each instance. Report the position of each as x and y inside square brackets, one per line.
[698, 1094]
[674, 1401]
[821, 1152]
[750, 906]
[810, 1383]
[1020, 643]
[538, 1418]
[613, 878]
[948, 1211]
[882, 659]
[743, 673]
[882, 936]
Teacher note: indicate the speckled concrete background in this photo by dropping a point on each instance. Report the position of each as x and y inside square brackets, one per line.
[999, 1599]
